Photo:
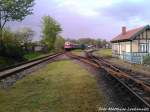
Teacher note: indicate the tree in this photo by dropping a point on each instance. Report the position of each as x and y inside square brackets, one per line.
[99, 43]
[59, 43]
[25, 36]
[13, 10]
[86, 41]
[72, 40]
[50, 30]
[104, 42]
[12, 45]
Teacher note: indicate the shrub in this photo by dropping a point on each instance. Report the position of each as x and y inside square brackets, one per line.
[11, 46]
[146, 60]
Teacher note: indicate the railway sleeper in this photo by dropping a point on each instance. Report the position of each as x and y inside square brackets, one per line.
[128, 92]
[121, 84]
[138, 89]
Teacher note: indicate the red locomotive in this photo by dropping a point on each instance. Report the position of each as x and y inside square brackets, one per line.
[70, 46]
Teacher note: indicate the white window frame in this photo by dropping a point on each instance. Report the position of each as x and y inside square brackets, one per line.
[143, 47]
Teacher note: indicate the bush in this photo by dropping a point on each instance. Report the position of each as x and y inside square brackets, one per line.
[11, 46]
[146, 60]
[32, 55]
[4, 62]
[59, 43]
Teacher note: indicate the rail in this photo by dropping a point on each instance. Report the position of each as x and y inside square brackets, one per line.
[20, 67]
[137, 88]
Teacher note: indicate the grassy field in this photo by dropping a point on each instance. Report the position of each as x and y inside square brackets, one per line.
[104, 53]
[32, 55]
[77, 51]
[59, 87]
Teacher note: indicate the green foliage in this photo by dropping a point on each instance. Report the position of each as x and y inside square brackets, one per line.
[25, 36]
[14, 10]
[86, 41]
[59, 43]
[146, 60]
[5, 61]
[50, 31]
[32, 55]
[11, 45]
[99, 43]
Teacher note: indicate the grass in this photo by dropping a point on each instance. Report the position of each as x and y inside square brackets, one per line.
[4, 62]
[77, 51]
[104, 53]
[59, 87]
[119, 62]
[32, 55]
[135, 67]
[146, 60]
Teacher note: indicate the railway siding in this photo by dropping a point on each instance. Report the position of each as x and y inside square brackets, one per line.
[11, 75]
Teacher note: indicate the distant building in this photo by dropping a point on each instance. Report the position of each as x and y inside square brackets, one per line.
[107, 45]
[38, 47]
[132, 45]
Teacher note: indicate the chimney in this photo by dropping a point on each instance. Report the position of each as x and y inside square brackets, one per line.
[123, 30]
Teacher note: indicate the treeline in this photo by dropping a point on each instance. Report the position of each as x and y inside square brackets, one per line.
[15, 44]
[99, 43]
[12, 42]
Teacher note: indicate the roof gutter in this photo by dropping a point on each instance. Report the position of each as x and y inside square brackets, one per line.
[142, 30]
[133, 36]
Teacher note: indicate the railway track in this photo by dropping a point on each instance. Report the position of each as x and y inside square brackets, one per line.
[143, 78]
[20, 67]
[136, 88]
[136, 75]
[10, 74]
[23, 63]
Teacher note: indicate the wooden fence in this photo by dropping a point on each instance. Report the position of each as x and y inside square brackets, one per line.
[135, 57]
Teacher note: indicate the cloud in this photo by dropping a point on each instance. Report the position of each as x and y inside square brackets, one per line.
[89, 18]
[84, 7]
[127, 10]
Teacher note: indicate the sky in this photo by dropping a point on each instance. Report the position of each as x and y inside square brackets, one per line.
[88, 18]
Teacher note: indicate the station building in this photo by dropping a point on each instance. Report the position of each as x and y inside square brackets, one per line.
[132, 45]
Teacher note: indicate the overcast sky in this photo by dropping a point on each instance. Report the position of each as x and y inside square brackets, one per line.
[88, 18]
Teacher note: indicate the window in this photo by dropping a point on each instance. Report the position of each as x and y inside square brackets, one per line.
[143, 47]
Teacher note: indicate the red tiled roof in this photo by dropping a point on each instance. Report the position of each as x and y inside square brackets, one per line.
[127, 35]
